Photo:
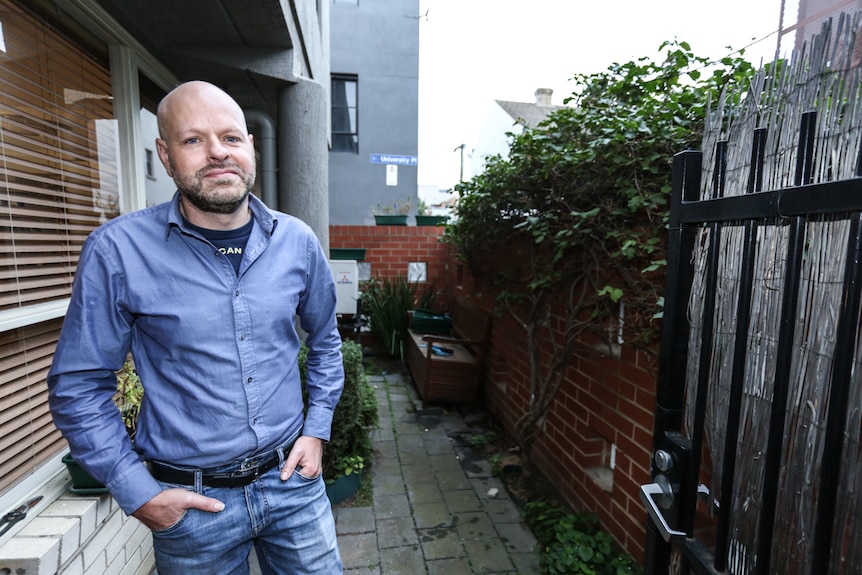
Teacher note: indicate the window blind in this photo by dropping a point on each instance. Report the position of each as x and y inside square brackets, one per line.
[58, 176]
[58, 181]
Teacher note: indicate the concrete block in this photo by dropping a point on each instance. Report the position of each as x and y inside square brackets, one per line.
[94, 549]
[74, 567]
[105, 507]
[82, 508]
[118, 544]
[66, 529]
[31, 555]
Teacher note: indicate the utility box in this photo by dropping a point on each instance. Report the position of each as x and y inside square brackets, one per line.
[346, 276]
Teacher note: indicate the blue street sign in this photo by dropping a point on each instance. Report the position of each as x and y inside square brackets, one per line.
[396, 159]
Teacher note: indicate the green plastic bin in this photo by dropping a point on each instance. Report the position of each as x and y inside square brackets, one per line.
[430, 323]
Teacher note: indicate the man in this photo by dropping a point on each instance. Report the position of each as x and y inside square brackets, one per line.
[205, 291]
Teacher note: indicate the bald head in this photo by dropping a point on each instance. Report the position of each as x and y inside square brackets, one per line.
[189, 97]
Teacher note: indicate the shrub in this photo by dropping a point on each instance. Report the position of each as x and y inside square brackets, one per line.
[386, 302]
[349, 448]
[573, 544]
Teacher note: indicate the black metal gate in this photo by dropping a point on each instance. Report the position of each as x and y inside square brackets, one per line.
[786, 495]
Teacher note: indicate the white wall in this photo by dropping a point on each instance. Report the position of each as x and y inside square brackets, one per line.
[492, 137]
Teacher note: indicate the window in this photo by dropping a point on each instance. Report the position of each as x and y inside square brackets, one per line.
[58, 141]
[149, 164]
[345, 125]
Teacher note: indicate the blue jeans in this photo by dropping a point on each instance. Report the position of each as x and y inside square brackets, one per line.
[289, 522]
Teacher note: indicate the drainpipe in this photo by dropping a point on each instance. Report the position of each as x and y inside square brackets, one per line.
[266, 143]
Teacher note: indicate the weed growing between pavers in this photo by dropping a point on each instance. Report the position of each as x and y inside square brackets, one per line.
[365, 495]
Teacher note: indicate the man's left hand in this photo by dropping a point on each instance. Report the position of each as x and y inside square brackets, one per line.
[307, 455]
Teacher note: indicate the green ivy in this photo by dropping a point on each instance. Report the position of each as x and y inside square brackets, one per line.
[587, 191]
[572, 224]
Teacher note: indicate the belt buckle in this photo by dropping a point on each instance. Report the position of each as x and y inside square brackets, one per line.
[250, 464]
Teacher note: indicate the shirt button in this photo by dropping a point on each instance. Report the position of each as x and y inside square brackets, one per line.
[249, 380]
[236, 293]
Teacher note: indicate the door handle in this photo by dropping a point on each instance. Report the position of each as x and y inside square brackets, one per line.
[648, 494]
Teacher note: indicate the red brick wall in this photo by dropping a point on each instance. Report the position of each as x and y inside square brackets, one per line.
[390, 248]
[604, 400]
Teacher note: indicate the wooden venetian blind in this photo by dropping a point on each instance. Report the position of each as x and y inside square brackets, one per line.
[27, 433]
[58, 181]
[59, 162]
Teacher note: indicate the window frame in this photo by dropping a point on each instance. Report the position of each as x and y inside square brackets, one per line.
[339, 110]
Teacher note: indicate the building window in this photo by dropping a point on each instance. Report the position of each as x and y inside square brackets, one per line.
[149, 160]
[60, 180]
[345, 124]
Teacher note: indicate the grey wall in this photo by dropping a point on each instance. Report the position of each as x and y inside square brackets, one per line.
[379, 42]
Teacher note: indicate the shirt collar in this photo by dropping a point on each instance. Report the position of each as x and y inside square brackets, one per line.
[262, 215]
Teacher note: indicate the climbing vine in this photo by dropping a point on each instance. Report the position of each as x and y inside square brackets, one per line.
[572, 223]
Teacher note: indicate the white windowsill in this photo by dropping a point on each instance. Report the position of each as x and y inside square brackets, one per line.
[32, 314]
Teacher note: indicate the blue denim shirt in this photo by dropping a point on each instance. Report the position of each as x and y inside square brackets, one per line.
[216, 351]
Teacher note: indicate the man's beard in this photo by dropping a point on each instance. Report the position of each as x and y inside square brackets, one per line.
[222, 198]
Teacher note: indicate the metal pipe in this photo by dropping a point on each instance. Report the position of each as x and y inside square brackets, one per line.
[268, 160]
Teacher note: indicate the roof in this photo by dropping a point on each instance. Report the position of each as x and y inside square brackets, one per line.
[527, 114]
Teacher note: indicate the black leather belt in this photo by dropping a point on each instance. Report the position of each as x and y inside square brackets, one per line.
[238, 478]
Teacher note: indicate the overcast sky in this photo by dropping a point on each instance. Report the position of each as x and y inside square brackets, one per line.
[473, 52]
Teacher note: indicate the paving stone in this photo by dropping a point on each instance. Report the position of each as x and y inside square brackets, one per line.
[488, 556]
[517, 537]
[438, 446]
[445, 463]
[441, 543]
[411, 452]
[475, 465]
[354, 520]
[389, 506]
[449, 567]
[461, 501]
[402, 561]
[387, 449]
[475, 526]
[452, 480]
[381, 435]
[364, 571]
[482, 485]
[431, 515]
[396, 532]
[526, 563]
[413, 440]
[359, 550]
[406, 428]
[383, 466]
[419, 493]
[388, 484]
[502, 510]
[417, 472]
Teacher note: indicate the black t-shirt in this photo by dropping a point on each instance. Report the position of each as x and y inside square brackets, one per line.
[229, 242]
